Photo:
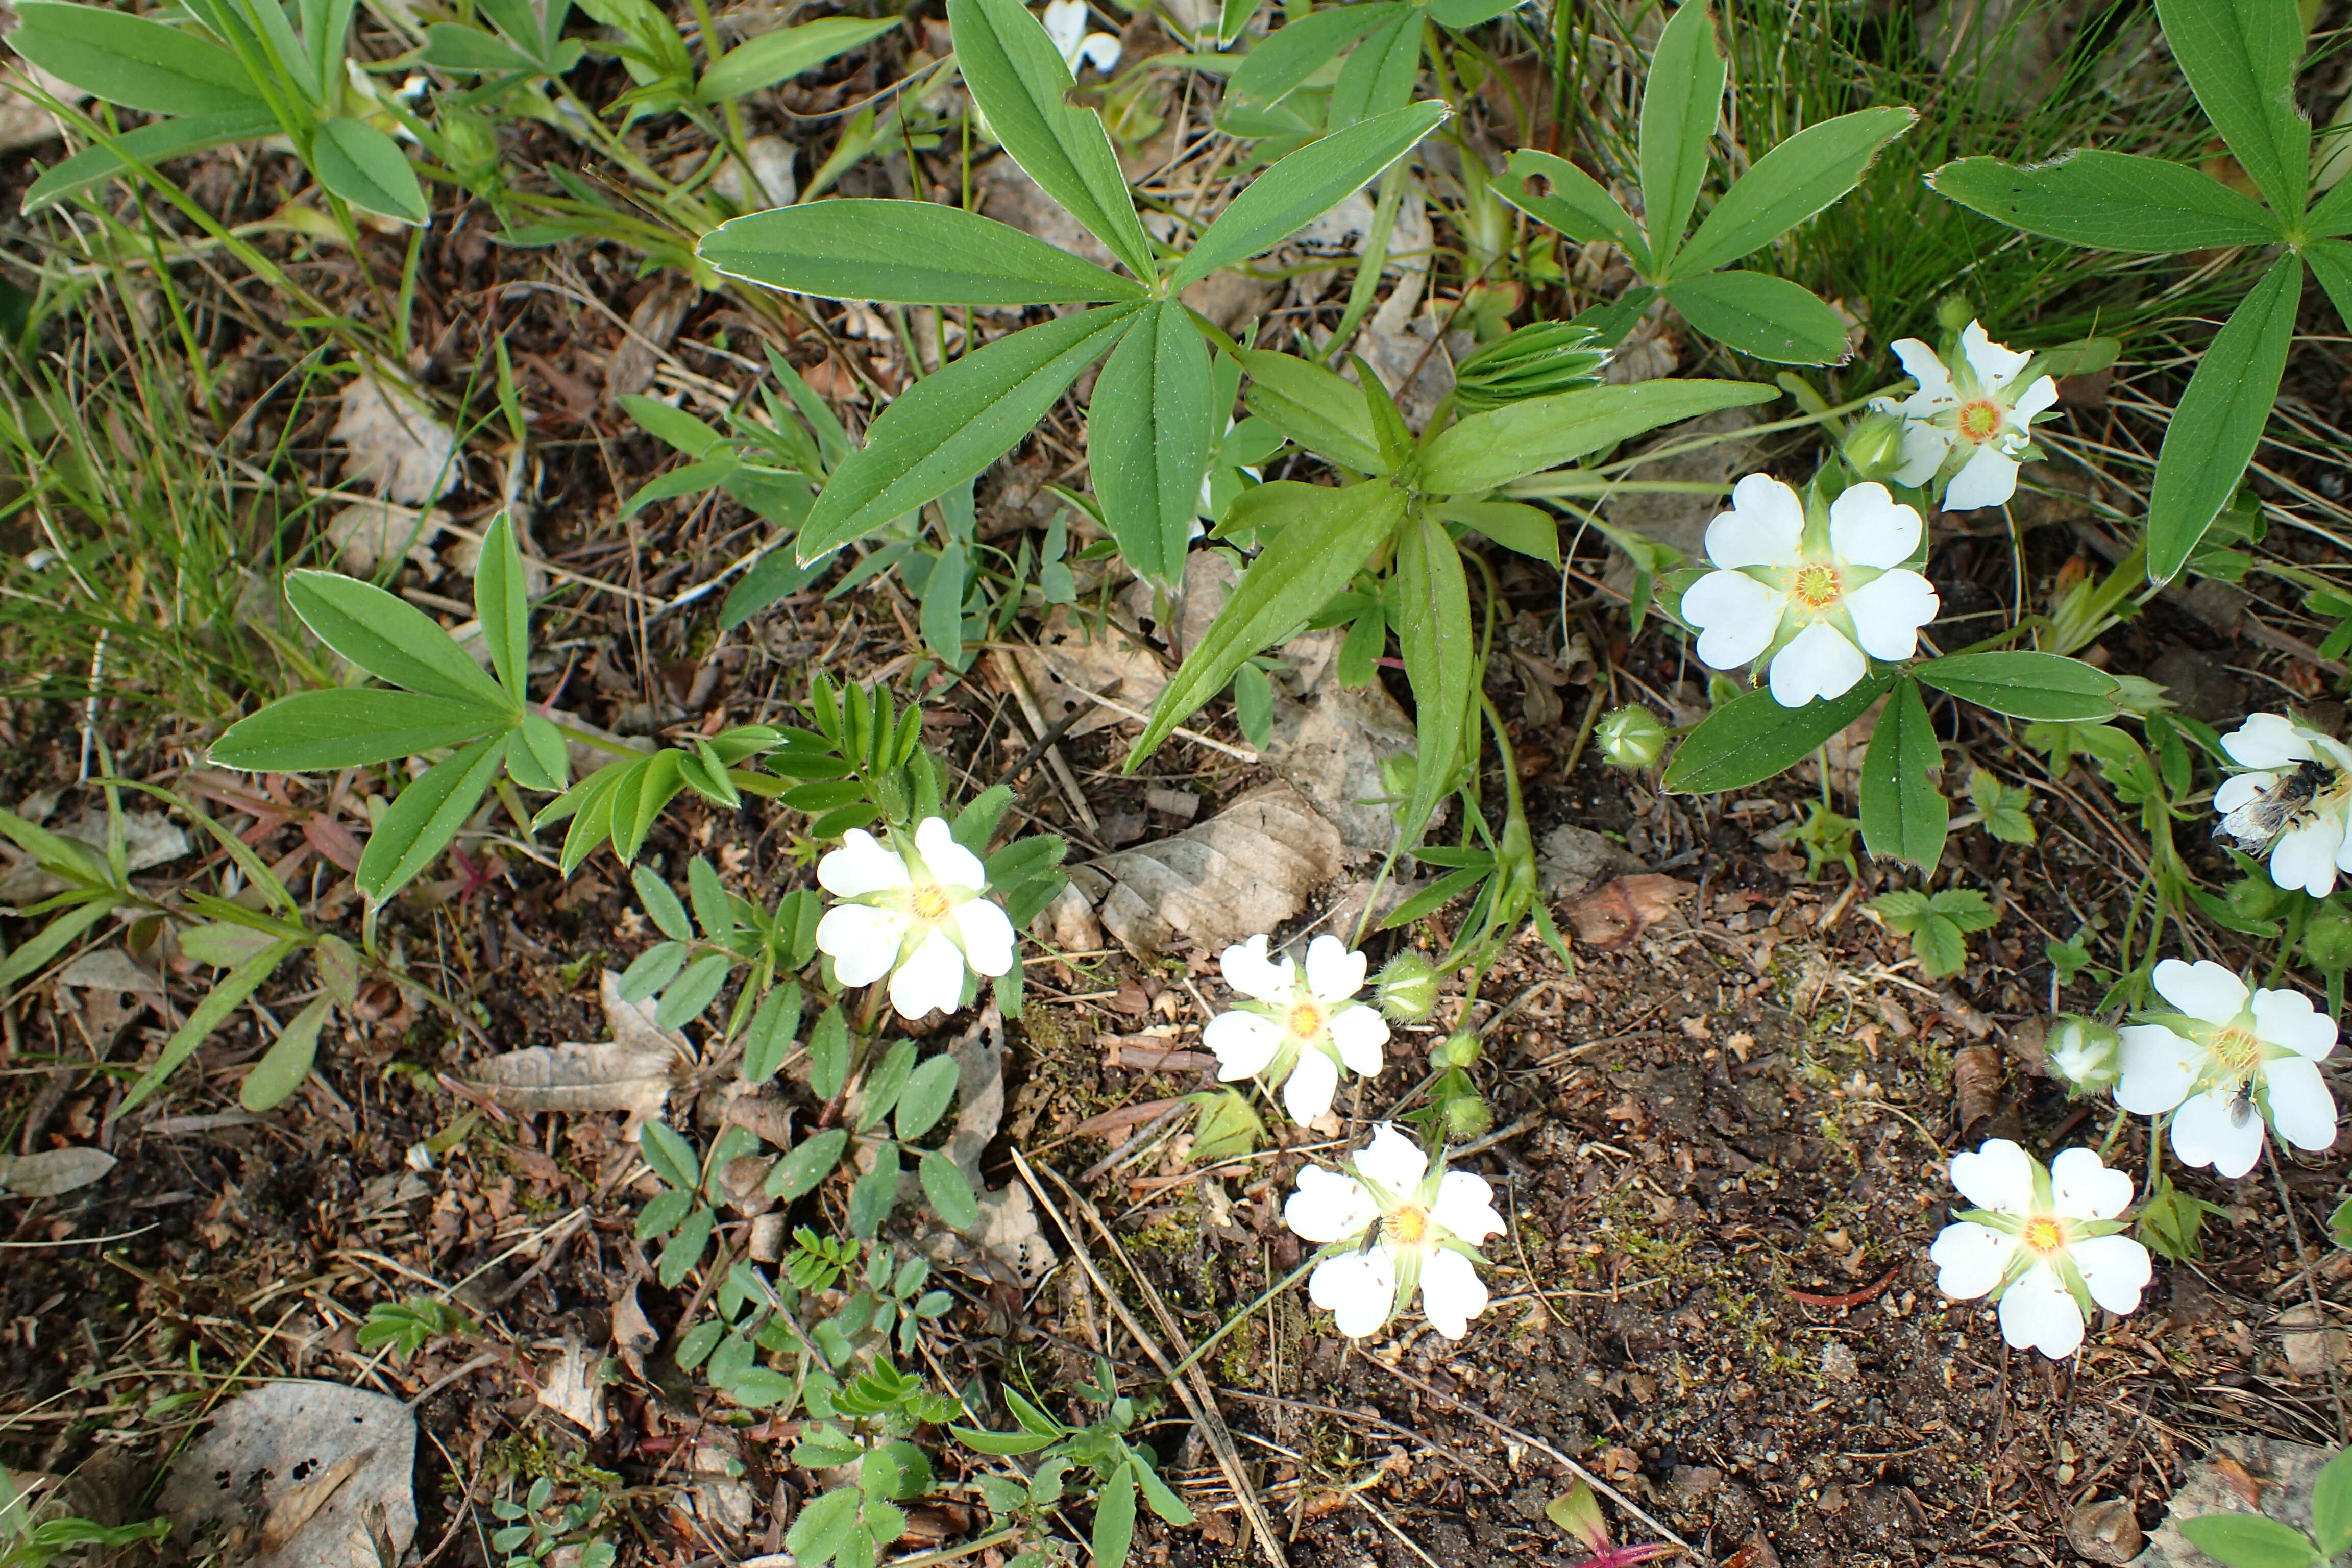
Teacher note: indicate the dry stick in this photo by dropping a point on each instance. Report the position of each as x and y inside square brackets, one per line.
[1018, 684]
[1196, 1394]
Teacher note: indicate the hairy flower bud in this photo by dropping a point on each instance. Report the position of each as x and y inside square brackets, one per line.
[1407, 988]
[1467, 1116]
[2085, 1053]
[1874, 448]
[1459, 1049]
[1632, 738]
[1537, 360]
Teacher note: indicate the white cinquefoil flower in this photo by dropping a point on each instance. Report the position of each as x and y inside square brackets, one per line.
[1300, 1029]
[1429, 1225]
[1066, 24]
[1972, 412]
[2041, 1242]
[2295, 803]
[1814, 596]
[918, 915]
[2230, 1060]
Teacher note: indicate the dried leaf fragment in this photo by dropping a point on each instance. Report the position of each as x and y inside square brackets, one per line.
[52, 1171]
[1613, 913]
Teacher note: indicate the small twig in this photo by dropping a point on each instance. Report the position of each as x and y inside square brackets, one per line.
[1008, 668]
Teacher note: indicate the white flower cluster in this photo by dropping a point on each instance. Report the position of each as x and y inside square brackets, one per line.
[1968, 420]
[1390, 1225]
[917, 913]
[2042, 1242]
[1297, 1029]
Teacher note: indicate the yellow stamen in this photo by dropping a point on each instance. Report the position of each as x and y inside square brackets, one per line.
[929, 901]
[1980, 420]
[1406, 1227]
[2238, 1050]
[2044, 1235]
[1305, 1021]
[1817, 586]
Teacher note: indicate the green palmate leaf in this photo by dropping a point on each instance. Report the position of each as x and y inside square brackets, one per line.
[810, 1161]
[1292, 53]
[420, 823]
[1751, 738]
[1508, 443]
[693, 990]
[2250, 1540]
[948, 1190]
[1148, 438]
[365, 167]
[950, 426]
[2239, 57]
[1679, 108]
[910, 252]
[661, 904]
[2024, 685]
[2331, 263]
[1515, 525]
[1019, 79]
[1379, 76]
[1324, 539]
[350, 727]
[390, 639]
[1789, 184]
[930, 1088]
[537, 757]
[282, 1068]
[1460, 15]
[148, 145]
[1440, 646]
[1904, 816]
[1284, 199]
[208, 1015]
[651, 970]
[502, 601]
[2331, 214]
[1576, 205]
[1321, 411]
[1760, 314]
[2115, 201]
[2213, 432]
[785, 53]
[132, 62]
[2331, 1505]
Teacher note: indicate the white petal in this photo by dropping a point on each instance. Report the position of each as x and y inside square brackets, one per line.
[1987, 478]
[1066, 24]
[1870, 528]
[1969, 1260]
[1328, 1204]
[2083, 1188]
[1735, 615]
[2041, 396]
[2300, 1106]
[1926, 368]
[2305, 854]
[1466, 1206]
[1244, 1043]
[862, 941]
[1392, 1161]
[2206, 1132]
[1248, 971]
[859, 867]
[2156, 1068]
[987, 936]
[1359, 1288]
[1451, 1293]
[2268, 740]
[1312, 1083]
[1996, 366]
[1817, 662]
[2202, 990]
[2037, 1312]
[932, 978]
[2287, 1018]
[2115, 1267]
[2241, 789]
[1999, 1176]
[1333, 973]
[1763, 528]
[1359, 1032]
[950, 861]
[1925, 447]
[1889, 610]
[1103, 50]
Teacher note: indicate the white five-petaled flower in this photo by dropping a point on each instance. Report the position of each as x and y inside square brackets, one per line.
[918, 915]
[1974, 411]
[2231, 1058]
[2296, 802]
[1810, 594]
[1066, 24]
[1393, 1224]
[1300, 1028]
[2044, 1242]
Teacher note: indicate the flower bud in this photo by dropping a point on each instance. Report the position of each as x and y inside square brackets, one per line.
[1459, 1049]
[1874, 448]
[2085, 1053]
[1632, 738]
[1467, 1116]
[1407, 988]
[1538, 360]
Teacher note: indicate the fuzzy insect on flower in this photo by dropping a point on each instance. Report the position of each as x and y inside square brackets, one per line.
[2042, 1241]
[2231, 1058]
[1971, 417]
[2294, 803]
[918, 914]
[1810, 593]
[1066, 24]
[1298, 1028]
[1391, 1224]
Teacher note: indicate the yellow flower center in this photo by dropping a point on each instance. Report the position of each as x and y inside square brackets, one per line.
[1817, 586]
[1407, 1226]
[1980, 420]
[2237, 1049]
[2043, 1235]
[929, 901]
[1305, 1021]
